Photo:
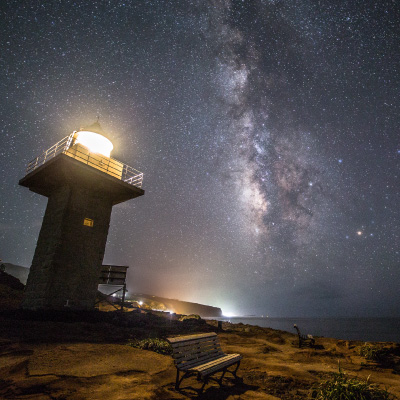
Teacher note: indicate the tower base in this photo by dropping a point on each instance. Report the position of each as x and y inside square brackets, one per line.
[67, 263]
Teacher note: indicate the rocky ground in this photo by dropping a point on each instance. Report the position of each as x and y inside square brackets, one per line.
[87, 356]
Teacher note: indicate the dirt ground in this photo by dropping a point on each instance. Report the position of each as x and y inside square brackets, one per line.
[86, 356]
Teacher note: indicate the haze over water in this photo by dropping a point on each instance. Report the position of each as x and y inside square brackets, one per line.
[365, 329]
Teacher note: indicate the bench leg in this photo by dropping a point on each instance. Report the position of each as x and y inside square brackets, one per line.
[177, 380]
[202, 388]
[222, 377]
[234, 372]
[206, 378]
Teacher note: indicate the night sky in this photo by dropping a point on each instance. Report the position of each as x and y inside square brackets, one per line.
[267, 131]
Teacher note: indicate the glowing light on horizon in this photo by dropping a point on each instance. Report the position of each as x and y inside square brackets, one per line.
[228, 314]
[95, 142]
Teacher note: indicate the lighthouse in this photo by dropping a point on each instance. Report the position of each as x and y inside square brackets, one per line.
[82, 183]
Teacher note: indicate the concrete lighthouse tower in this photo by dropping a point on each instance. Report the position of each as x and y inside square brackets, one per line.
[82, 183]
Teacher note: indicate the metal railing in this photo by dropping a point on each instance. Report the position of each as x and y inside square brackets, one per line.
[61, 147]
[108, 165]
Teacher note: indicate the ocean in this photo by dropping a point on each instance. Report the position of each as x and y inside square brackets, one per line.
[364, 329]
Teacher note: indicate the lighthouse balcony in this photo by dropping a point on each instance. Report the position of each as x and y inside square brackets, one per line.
[108, 165]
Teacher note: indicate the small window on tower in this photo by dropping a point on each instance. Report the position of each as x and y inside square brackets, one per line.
[88, 222]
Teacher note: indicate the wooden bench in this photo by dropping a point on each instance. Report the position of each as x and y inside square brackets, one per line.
[303, 339]
[201, 355]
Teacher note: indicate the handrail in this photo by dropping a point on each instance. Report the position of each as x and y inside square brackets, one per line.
[112, 167]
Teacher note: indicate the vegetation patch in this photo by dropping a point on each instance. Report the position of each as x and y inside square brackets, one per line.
[153, 344]
[275, 337]
[386, 357]
[373, 352]
[341, 386]
[190, 317]
[283, 387]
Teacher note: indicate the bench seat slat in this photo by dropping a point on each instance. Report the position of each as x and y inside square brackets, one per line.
[227, 358]
[198, 361]
[219, 367]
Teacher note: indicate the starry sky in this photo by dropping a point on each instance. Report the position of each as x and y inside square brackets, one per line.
[267, 131]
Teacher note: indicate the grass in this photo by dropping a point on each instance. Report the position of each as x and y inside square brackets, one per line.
[373, 352]
[342, 387]
[189, 317]
[153, 344]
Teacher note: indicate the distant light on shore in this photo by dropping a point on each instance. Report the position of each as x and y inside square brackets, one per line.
[228, 314]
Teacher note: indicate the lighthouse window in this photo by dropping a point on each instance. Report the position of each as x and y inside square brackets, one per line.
[88, 222]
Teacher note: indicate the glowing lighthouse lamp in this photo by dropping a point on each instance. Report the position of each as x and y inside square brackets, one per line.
[95, 142]
[82, 183]
[93, 148]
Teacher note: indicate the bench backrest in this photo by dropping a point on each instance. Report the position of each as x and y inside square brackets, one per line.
[193, 350]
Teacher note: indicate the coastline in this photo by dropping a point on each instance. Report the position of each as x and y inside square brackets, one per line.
[368, 329]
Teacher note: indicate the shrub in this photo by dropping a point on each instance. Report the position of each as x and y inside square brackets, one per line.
[269, 349]
[373, 353]
[341, 387]
[157, 345]
[189, 317]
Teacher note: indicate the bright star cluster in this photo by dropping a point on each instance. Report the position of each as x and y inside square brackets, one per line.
[267, 132]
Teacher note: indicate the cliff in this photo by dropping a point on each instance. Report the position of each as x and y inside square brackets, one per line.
[149, 301]
[176, 306]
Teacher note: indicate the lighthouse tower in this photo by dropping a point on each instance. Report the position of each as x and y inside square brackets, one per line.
[82, 183]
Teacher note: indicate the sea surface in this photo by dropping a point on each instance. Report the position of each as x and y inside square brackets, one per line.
[365, 329]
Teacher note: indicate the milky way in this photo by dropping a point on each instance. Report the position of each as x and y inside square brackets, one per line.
[267, 132]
